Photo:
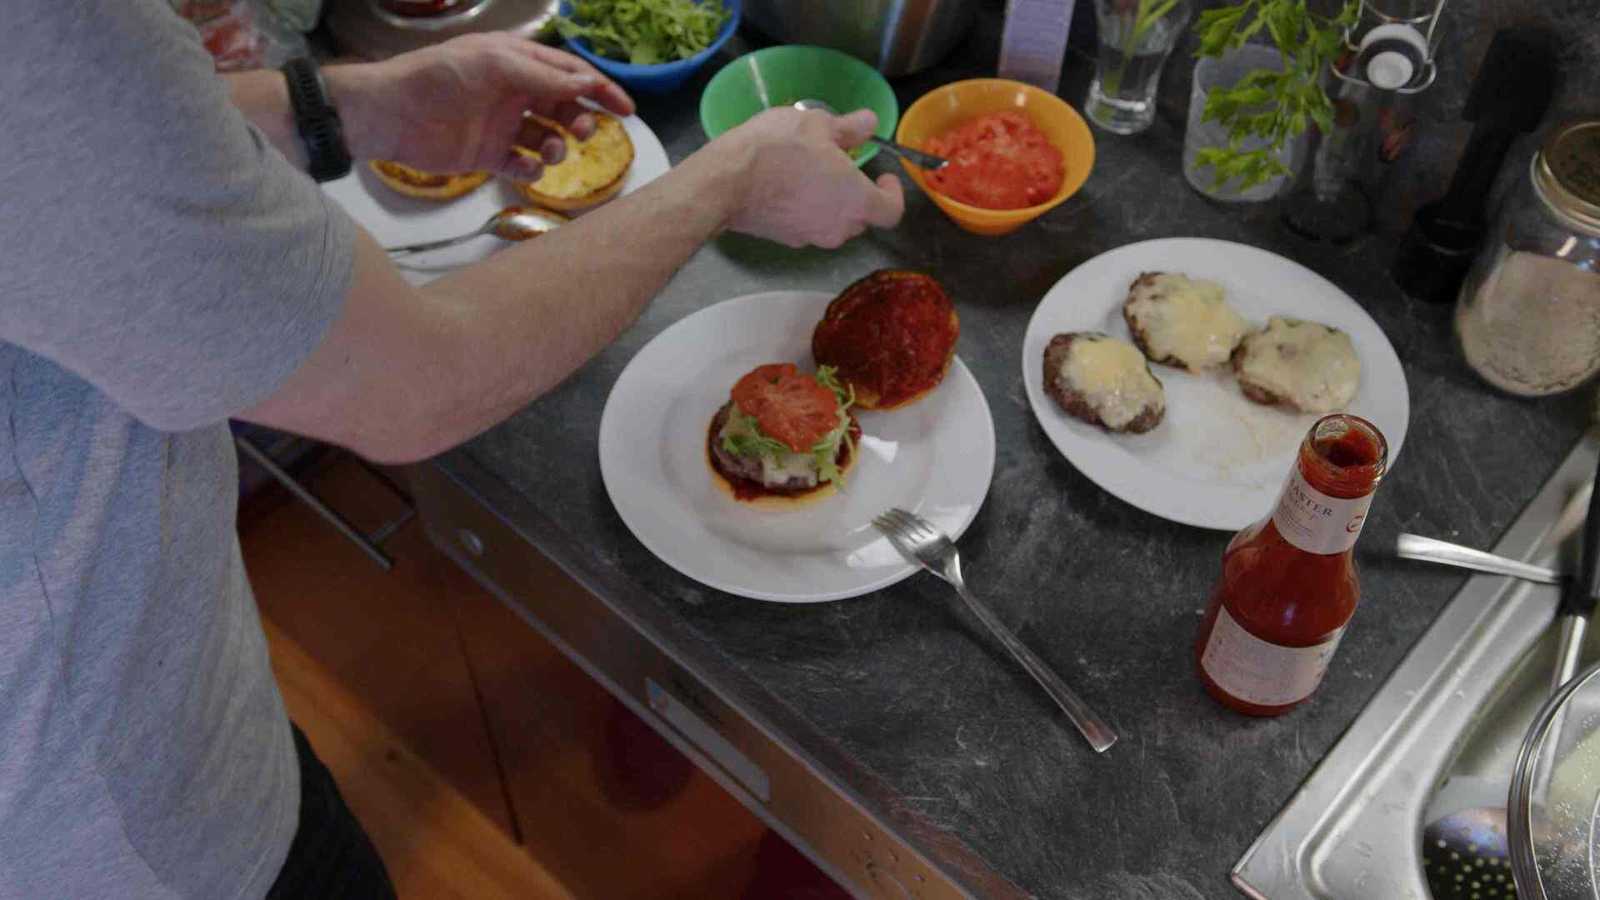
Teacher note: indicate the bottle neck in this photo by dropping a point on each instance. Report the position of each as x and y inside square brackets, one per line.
[1324, 503]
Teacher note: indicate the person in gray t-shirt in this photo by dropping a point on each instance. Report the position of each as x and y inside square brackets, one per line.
[165, 266]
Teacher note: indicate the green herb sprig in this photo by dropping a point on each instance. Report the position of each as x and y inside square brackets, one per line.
[1275, 105]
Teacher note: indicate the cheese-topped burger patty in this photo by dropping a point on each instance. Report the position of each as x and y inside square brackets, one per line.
[592, 171]
[784, 435]
[1307, 365]
[1179, 321]
[892, 336]
[430, 186]
[1103, 381]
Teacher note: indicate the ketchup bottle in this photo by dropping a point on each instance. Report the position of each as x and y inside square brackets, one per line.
[1288, 583]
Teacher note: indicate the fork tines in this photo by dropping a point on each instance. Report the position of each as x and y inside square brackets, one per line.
[897, 518]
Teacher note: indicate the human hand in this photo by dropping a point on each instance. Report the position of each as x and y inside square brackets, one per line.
[459, 106]
[800, 186]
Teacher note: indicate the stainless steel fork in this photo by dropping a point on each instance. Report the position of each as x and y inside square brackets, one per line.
[920, 542]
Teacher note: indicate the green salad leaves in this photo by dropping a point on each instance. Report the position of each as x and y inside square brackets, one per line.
[645, 32]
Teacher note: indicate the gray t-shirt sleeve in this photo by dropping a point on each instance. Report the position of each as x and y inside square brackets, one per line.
[151, 240]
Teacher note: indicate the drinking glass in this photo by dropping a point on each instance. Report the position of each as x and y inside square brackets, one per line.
[1214, 73]
[1136, 36]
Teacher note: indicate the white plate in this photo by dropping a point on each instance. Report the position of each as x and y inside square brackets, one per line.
[396, 219]
[1217, 460]
[934, 457]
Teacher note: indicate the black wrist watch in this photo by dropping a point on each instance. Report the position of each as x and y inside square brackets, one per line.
[317, 120]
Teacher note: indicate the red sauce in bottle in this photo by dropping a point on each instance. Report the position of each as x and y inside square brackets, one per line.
[1289, 583]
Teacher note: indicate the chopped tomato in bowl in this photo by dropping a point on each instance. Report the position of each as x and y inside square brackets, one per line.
[997, 161]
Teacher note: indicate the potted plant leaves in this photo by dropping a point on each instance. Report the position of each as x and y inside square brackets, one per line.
[1252, 102]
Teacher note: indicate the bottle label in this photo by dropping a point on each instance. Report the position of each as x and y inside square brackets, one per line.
[1262, 672]
[1316, 522]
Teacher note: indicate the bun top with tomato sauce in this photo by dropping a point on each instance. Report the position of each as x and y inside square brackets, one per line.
[891, 337]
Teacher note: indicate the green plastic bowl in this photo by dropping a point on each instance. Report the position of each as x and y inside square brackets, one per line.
[778, 76]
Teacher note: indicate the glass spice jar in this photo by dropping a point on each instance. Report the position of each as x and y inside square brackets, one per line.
[1528, 316]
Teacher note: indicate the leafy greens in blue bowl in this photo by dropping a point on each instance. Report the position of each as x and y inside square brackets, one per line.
[650, 46]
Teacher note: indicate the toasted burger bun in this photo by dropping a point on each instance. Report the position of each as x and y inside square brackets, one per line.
[891, 336]
[751, 492]
[592, 172]
[417, 183]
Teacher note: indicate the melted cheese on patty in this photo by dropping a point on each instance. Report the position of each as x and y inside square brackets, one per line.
[776, 470]
[1113, 378]
[1186, 320]
[1311, 365]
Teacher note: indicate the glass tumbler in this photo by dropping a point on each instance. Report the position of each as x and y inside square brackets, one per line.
[1213, 73]
[1136, 37]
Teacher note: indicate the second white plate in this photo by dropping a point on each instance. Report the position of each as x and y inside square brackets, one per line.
[1217, 460]
[395, 219]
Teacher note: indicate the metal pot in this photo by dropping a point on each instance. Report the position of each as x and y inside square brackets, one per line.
[895, 36]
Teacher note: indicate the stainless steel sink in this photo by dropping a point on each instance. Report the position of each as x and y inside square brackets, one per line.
[1455, 710]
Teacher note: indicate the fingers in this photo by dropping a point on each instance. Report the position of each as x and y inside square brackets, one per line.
[600, 89]
[523, 165]
[886, 202]
[612, 98]
[576, 118]
[852, 129]
[540, 138]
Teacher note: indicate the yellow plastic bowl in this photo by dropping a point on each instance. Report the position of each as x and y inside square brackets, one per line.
[944, 108]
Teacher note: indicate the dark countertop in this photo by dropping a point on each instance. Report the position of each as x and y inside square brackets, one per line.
[901, 695]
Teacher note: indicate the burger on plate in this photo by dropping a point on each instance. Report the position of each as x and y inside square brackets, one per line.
[784, 437]
[891, 336]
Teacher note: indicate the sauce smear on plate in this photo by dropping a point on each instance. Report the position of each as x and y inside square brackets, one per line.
[997, 161]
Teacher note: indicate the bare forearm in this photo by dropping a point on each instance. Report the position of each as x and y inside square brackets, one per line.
[532, 314]
[408, 373]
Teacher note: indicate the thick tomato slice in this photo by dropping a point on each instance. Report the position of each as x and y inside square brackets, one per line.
[788, 404]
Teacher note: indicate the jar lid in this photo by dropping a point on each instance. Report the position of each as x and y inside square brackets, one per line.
[1566, 173]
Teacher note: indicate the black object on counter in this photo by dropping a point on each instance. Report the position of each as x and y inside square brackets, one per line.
[1579, 596]
[1509, 97]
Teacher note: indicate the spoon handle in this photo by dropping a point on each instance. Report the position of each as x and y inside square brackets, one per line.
[915, 157]
[432, 245]
[1426, 549]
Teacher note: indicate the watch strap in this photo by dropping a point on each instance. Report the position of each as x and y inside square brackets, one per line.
[317, 120]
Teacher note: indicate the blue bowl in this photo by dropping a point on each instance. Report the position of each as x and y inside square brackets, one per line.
[662, 78]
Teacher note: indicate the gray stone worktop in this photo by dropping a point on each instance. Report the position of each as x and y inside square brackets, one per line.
[900, 693]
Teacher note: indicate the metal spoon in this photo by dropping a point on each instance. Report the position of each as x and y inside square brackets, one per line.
[915, 157]
[1427, 549]
[514, 223]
